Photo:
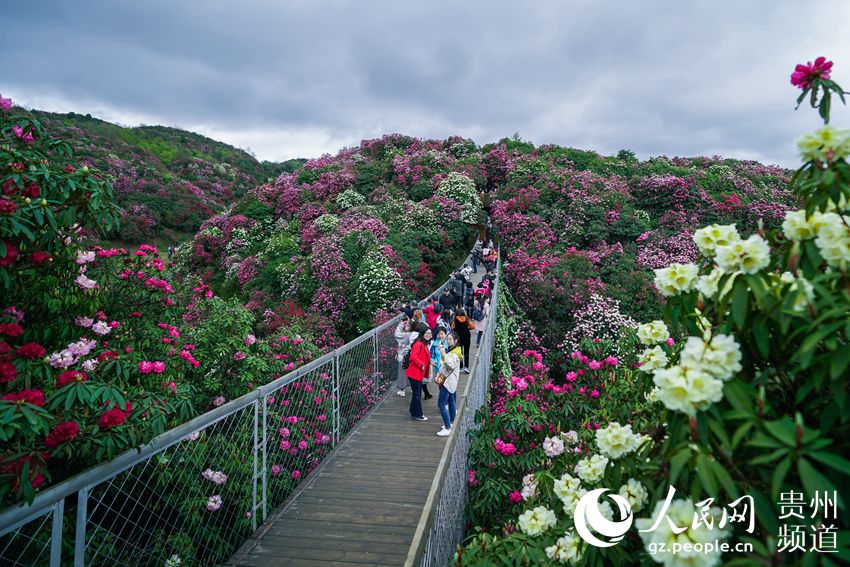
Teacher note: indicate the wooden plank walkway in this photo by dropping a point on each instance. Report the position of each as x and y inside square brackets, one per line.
[363, 504]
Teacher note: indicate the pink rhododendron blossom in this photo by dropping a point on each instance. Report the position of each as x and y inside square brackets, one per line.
[85, 282]
[296, 474]
[101, 328]
[250, 339]
[238, 355]
[218, 401]
[515, 497]
[804, 75]
[214, 503]
[85, 257]
[217, 477]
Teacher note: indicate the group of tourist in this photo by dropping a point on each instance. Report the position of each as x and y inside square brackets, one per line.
[434, 341]
[484, 253]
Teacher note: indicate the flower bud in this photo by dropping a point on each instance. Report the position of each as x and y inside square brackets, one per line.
[44, 202]
[28, 201]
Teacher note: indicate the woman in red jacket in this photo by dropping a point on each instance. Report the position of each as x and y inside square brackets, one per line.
[420, 363]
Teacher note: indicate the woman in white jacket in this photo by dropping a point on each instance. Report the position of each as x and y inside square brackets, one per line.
[404, 337]
[447, 402]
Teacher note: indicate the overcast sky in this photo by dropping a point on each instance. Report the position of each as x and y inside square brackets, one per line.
[301, 78]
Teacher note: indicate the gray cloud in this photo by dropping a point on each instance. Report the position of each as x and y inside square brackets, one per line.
[299, 78]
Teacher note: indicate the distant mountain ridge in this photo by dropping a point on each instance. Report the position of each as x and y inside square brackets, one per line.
[168, 181]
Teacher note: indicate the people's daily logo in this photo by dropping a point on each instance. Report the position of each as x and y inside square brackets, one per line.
[588, 514]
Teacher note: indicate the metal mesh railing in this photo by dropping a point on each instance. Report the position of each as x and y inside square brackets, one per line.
[445, 522]
[193, 500]
[31, 543]
[194, 494]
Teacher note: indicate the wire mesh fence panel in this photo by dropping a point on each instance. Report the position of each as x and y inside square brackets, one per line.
[298, 432]
[447, 527]
[388, 363]
[193, 501]
[29, 545]
[357, 374]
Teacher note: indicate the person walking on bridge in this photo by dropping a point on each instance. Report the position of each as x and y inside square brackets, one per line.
[448, 378]
[462, 326]
[403, 336]
[417, 369]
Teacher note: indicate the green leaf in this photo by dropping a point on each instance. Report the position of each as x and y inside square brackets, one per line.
[769, 457]
[706, 476]
[779, 474]
[839, 362]
[678, 461]
[813, 480]
[783, 430]
[740, 302]
[725, 480]
[833, 461]
[762, 336]
[764, 441]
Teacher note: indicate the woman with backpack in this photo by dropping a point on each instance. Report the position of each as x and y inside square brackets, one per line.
[419, 363]
[447, 378]
[462, 326]
[480, 315]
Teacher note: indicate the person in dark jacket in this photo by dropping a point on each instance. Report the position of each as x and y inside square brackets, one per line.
[463, 327]
[420, 364]
[447, 300]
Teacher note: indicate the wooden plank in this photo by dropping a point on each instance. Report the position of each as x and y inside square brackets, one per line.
[338, 535]
[323, 554]
[356, 516]
[288, 525]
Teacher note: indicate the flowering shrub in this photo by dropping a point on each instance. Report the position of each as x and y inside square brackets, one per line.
[461, 189]
[733, 396]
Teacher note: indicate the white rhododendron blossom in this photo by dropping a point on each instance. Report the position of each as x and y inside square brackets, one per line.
[529, 487]
[591, 469]
[570, 437]
[616, 440]
[553, 446]
[566, 485]
[802, 287]
[687, 389]
[652, 395]
[707, 284]
[536, 521]
[570, 501]
[652, 359]
[681, 514]
[748, 256]
[565, 549]
[653, 333]
[710, 237]
[635, 493]
[826, 144]
[833, 241]
[798, 226]
[720, 357]
[676, 278]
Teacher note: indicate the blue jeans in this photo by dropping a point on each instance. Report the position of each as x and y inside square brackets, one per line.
[447, 404]
[474, 264]
[415, 398]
